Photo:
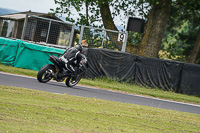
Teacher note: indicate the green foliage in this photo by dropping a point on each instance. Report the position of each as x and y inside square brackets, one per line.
[182, 29]
[182, 11]
[82, 8]
[134, 38]
[98, 39]
[174, 51]
[188, 38]
[93, 37]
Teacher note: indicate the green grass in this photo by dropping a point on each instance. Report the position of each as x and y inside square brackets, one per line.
[116, 86]
[30, 111]
[19, 71]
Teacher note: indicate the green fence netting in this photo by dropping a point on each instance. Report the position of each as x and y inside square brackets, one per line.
[33, 56]
[26, 55]
[8, 50]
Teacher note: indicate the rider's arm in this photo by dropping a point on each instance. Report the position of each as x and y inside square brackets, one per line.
[79, 57]
[65, 51]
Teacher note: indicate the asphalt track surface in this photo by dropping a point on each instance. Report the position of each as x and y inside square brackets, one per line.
[61, 88]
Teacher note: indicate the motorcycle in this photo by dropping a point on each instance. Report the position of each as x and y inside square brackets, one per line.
[55, 71]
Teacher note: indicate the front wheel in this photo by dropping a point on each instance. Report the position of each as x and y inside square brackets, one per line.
[45, 73]
[73, 80]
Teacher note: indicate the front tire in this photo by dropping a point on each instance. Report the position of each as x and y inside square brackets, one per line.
[73, 80]
[45, 73]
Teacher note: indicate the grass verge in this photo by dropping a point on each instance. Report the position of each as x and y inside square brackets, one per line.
[116, 86]
[30, 111]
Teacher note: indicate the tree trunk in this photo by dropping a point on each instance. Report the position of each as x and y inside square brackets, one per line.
[87, 14]
[195, 50]
[106, 16]
[155, 28]
[109, 23]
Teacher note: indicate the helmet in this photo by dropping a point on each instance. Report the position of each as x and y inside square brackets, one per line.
[79, 47]
[84, 43]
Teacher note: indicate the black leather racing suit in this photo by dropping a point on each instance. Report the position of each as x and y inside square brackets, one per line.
[69, 57]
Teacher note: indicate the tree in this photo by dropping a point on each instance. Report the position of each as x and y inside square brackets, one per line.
[99, 10]
[155, 27]
[195, 50]
[193, 15]
[96, 11]
[184, 27]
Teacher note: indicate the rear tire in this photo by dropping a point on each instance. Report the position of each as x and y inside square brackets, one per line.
[73, 80]
[45, 73]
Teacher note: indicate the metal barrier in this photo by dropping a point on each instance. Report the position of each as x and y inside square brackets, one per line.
[103, 38]
[49, 31]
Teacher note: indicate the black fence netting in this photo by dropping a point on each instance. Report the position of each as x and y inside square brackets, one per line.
[150, 72]
[111, 64]
[157, 73]
[190, 80]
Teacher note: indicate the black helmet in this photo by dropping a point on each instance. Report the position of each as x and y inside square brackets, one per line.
[79, 47]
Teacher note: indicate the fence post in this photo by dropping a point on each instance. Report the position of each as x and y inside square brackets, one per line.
[24, 27]
[125, 41]
[71, 36]
[81, 34]
[48, 31]
[104, 34]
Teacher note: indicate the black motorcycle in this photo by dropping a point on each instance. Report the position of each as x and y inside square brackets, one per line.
[55, 71]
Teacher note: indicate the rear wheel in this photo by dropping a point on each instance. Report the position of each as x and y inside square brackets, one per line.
[45, 73]
[73, 80]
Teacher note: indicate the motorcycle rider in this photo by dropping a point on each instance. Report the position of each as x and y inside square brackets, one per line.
[70, 56]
